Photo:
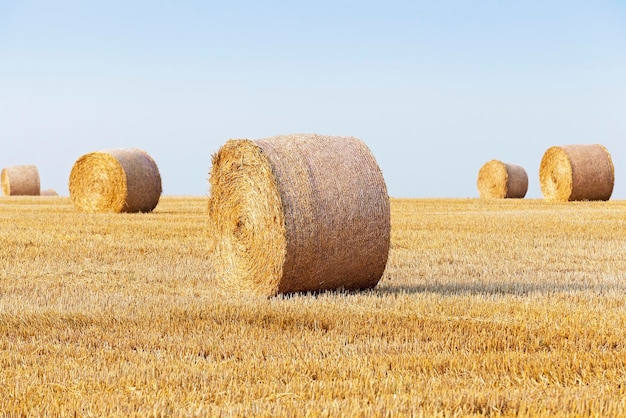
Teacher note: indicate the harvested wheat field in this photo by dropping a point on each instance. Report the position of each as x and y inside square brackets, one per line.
[487, 307]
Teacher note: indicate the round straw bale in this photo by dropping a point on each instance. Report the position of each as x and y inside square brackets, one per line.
[20, 180]
[115, 180]
[497, 180]
[49, 192]
[298, 213]
[577, 172]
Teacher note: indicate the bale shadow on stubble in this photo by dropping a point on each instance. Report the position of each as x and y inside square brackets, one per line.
[474, 289]
[499, 289]
[315, 294]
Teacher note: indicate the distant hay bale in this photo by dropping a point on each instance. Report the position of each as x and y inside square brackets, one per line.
[298, 213]
[49, 192]
[577, 172]
[497, 180]
[115, 180]
[20, 180]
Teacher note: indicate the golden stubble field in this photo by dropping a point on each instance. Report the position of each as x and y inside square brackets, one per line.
[486, 308]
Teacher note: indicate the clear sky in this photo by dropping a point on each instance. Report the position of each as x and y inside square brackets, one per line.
[435, 88]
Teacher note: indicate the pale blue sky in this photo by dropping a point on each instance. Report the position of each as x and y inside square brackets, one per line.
[435, 88]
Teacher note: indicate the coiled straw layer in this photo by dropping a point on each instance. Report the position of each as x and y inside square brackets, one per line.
[20, 180]
[577, 172]
[116, 180]
[298, 213]
[497, 180]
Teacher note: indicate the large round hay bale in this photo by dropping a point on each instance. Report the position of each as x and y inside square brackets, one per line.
[298, 213]
[497, 180]
[115, 180]
[20, 180]
[577, 172]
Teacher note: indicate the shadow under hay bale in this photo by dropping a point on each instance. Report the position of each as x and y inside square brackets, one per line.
[116, 180]
[20, 180]
[497, 180]
[577, 172]
[298, 213]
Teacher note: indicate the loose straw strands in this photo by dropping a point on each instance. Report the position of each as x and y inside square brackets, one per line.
[497, 180]
[116, 180]
[298, 213]
[20, 180]
[577, 172]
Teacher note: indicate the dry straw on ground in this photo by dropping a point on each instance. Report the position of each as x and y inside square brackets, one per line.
[116, 180]
[497, 180]
[20, 180]
[298, 213]
[577, 172]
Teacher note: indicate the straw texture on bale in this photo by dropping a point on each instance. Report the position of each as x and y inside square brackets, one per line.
[577, 172]
[298, 213]
[20, 180]
[49, 192]
[115, 180]
[497, 180]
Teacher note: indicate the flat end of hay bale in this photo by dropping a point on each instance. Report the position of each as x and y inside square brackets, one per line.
[246, 223]
[116, 180]
[98, 183]
[492, 180]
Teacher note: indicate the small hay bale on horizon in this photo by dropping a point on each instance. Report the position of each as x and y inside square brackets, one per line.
[115, 180]
[297, 213]
[20, 180]
[577, 172]
[49, 193]
[498, 180]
